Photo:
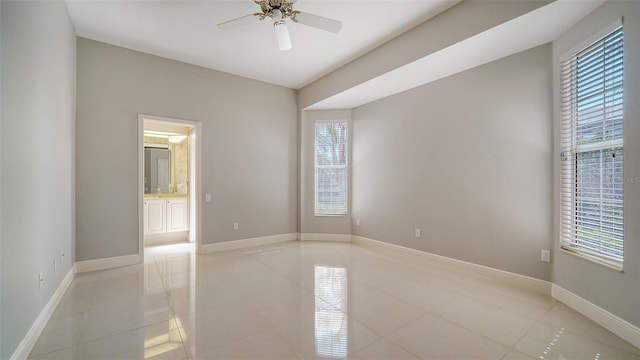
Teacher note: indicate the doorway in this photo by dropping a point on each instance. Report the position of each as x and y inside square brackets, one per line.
[169, 179]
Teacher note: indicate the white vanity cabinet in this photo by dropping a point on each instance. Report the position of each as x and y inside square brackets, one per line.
[155, 219]
[166, 215]
[177, 214]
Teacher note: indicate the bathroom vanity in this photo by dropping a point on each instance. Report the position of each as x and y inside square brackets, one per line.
[166, 213]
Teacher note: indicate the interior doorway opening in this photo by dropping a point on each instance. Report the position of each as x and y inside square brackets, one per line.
[169, 181]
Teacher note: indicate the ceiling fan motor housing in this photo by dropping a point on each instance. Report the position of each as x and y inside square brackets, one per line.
[278, 10]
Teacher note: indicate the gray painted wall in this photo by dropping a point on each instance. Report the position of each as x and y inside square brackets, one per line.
[1, 72]
[616, 292]
[467, 159]
[249, 147]
[309, 222]
[37, 147]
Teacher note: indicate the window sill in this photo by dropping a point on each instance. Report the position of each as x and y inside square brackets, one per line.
[331, 215]
[611, 265]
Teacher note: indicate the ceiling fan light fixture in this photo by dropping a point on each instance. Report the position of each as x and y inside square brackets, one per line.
[282, 35]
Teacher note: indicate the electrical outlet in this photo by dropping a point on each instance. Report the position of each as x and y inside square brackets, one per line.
[40, 280]
[545, 255]
[207, 197]
[357, 222]
[418, 233]
[236, 226]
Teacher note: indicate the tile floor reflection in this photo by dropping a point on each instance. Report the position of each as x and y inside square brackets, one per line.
[331, 326]
[311, 300]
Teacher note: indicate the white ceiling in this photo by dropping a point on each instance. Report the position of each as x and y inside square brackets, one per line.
[185, 30]
[535, 28]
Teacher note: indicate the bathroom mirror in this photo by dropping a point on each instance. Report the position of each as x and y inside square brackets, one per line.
[166, 164]
[157, 164]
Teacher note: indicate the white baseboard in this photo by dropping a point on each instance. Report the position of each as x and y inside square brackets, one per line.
[30, 339]
[417, 258]
[324, 237]
[165, 238]
[244, 243]
[609, 321]
[108, 263]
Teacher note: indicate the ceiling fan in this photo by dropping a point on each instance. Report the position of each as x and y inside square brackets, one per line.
[278, 11]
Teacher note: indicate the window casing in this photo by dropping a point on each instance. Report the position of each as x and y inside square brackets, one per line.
[592, 181]
[331, 167]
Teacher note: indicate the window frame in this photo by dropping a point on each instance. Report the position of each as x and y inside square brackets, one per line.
[346, 166]
[569, 159]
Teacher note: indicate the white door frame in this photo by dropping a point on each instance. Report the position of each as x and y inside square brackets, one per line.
[197, 125]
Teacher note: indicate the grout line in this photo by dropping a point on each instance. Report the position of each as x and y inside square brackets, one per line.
[180, 330]
[84, 321]
[275, 328]
[538, 322]
[389, 339]
[49, 352]
[471, 331]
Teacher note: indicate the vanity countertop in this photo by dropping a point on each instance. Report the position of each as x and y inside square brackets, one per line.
[165, 196]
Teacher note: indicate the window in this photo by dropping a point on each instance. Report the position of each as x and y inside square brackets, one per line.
[591, 133]
[331, 171]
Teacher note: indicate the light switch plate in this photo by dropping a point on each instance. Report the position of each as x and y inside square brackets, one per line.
[545, 255]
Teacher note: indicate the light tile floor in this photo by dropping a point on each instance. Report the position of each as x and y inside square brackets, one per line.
[311, 300]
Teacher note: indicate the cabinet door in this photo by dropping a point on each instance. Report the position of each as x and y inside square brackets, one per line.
[154, 216]
[177, 215]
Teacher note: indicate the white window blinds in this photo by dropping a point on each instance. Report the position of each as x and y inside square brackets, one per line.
[592, 221]
[331, 172]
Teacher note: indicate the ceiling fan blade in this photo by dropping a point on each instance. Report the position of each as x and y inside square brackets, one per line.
[317, 22]
[236, 23]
